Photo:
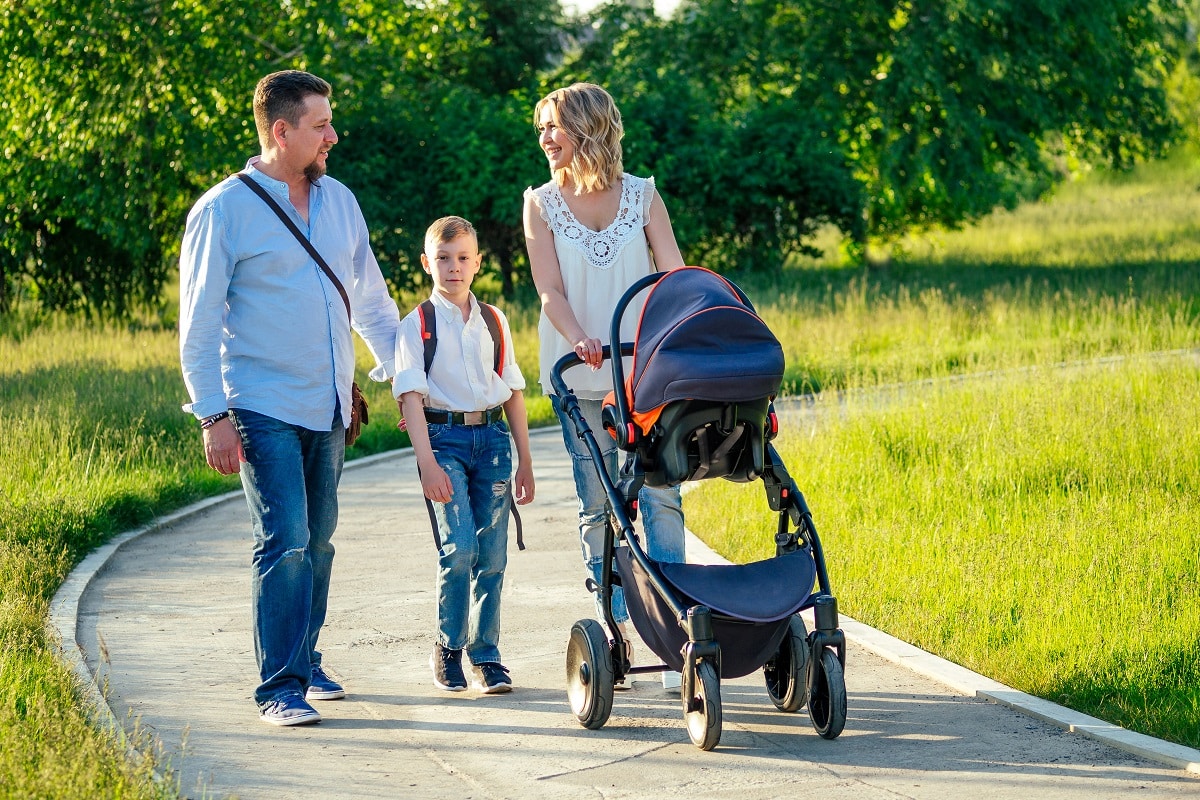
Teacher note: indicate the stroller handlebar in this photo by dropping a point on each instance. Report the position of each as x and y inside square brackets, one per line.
[571, 360]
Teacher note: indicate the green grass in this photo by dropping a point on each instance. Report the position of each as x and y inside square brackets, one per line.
[1040, 527]
[958, 518]
[95, 443]
[90, 449]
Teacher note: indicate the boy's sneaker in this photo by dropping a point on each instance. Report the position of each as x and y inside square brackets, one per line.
[289, 709]
[491, 677]
[447, 669]
[323, 687]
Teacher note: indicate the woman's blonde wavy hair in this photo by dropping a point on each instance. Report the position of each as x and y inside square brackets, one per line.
[590, 118]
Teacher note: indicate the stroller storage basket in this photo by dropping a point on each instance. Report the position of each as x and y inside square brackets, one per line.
[752, 605]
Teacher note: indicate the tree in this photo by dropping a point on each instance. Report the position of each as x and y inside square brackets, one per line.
[948, 108]
[761, 120]
[747, 178]
[455, 135]
[118, 116]
[110, 112]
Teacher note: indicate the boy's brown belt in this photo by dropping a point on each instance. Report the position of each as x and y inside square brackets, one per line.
[440, 417]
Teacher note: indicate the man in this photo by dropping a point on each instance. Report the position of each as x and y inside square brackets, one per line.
[268, 361]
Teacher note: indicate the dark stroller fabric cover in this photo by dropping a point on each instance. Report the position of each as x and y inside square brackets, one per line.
[698, 340]
[751, 605]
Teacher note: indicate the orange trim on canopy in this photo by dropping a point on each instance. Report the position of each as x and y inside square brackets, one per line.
[644, 420]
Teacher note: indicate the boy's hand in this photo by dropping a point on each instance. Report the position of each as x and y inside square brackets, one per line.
[436, 483]
[523, 484]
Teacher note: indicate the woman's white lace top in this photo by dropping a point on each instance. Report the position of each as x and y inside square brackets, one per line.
[597, 267]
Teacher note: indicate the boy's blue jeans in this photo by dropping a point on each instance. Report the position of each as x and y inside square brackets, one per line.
[661, 509]
[290, 476]
[473, 528]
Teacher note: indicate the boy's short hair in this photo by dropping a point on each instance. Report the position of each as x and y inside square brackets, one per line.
[281, 95]
[447, 229]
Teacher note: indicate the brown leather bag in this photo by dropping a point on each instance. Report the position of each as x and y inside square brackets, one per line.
[358, 403]
[358, 414]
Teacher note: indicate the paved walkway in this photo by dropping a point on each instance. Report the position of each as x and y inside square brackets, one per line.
[161, 618]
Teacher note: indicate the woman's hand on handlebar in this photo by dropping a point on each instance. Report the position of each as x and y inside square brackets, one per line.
[590, 352]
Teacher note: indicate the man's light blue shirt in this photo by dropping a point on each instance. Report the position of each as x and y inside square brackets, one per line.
[261, 326]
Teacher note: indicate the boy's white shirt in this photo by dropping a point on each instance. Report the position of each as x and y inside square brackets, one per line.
[462, 376]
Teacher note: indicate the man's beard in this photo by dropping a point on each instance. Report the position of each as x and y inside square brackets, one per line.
[314, 172]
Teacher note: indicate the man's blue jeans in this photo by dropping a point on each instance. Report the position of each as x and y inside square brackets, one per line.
[473, 529]
[661, 510]
[290, 476]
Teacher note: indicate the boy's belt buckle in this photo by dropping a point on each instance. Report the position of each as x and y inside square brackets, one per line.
[473, 417]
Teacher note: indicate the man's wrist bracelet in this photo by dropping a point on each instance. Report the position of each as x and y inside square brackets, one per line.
[208, 422]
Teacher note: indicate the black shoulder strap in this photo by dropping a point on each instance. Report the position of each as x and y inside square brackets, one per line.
[428, 332]
[300, 237]
[491, 318]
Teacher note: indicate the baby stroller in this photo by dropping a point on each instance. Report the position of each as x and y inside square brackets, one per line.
[698, 405]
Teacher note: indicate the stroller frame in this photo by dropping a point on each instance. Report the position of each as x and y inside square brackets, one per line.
[807, 668]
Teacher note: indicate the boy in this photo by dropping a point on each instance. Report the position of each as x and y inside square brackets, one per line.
[462, 451]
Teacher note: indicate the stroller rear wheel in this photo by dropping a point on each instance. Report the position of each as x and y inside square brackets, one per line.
[702, 711]
[786, 673]
[589, 674]
[827, 695]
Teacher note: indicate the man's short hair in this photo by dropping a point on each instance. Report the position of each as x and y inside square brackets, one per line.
[281, 95]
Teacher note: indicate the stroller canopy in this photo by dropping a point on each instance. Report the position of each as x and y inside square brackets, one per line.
[698, 340]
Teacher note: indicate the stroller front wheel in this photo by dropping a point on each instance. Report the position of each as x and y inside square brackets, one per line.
[589, 674]
[827, 695]
[702, 711]
[786, 673]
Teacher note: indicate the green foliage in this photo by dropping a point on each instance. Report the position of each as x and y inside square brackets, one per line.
[747, 184]
[113, 112]
[141, 106]
[450, 132]
[762, 121]
[948, 109]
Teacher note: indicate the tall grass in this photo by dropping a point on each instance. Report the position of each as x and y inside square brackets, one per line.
[89, 448]
[1042, 528]
[1108, 266]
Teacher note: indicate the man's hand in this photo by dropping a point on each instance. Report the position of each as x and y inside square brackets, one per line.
[223, 447]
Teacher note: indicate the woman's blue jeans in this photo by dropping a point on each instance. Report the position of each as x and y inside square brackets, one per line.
[291, 477]
[473, 530]
[661, 509]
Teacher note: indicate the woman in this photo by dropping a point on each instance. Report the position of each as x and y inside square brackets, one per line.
[591, 231]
